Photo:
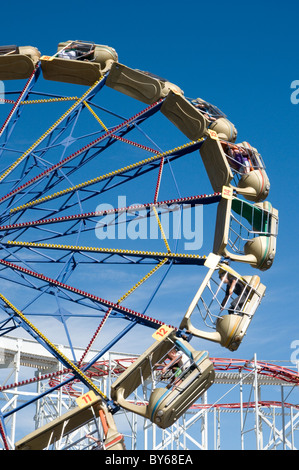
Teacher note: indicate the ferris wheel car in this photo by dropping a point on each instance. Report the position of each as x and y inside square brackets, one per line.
[140, 85]
[246, 232]
[225, 129]
[218, 121]
[228, 314]
[226, 162]
[89, 406]
[190, 121]
[78, 62]
[256, 178]
[172, 394]
[17, 62]
[195, 117]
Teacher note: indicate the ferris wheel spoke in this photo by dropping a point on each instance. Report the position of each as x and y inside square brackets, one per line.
[97, 146]
[55, 127]
[126, 312]
[11, 120]
[112, 179]
[40, 337]
[199, 199]
[131, 256]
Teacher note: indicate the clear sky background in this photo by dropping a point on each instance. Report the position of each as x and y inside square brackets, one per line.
[240, 57]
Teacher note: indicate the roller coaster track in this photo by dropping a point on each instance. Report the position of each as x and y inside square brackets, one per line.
[227, 370]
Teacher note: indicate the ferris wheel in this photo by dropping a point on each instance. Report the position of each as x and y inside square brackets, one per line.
[83, 137]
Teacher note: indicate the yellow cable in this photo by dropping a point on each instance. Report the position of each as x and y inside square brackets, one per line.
[161, 230]
[59, 353]
[130, 291]
[98, 179]
[95, 115]
[50, 100]
[138, 284]
[158, 254]
[43, 136]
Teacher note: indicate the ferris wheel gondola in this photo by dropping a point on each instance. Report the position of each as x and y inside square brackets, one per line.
[18, 63]
[226, 303]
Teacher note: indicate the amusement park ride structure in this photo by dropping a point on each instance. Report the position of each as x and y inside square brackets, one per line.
[255, 423]
[51, 179]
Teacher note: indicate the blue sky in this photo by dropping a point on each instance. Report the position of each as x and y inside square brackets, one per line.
[242, 59]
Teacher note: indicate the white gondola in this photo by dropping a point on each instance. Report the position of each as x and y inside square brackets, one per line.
[142, 86]
[89, 407]
[195, 117]
[237, 165]
[18, 62]
[228, 316]
[78, 62]
[246, 232]
[173, 392]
